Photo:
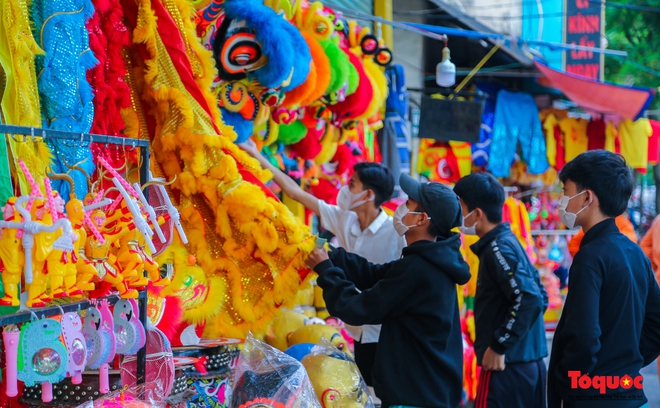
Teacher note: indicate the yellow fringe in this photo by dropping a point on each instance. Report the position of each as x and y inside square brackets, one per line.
[379, 85]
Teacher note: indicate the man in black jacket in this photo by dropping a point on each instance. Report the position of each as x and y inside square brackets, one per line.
[509, 303]
[419, 359]
[610, 326]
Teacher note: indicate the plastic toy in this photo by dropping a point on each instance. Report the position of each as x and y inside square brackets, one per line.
[43, 361]
[72, 332]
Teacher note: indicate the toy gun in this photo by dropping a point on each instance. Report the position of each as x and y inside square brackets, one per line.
[150, 210]
[94, 206]
[140, 223]
[31, 228]
[174, 214]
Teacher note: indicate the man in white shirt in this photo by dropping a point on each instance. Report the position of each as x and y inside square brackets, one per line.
[360, 226]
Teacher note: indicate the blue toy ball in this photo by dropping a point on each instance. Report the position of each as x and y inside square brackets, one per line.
[299, 351]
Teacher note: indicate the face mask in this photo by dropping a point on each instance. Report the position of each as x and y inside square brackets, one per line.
[468, 230]
[347, 200]
[568, 218]
[401, 212]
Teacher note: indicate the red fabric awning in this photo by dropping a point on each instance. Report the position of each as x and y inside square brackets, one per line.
[595, 96]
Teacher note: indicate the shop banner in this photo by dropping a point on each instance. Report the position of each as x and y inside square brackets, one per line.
[583, 26]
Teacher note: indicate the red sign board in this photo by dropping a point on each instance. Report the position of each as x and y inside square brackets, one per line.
[583, 25]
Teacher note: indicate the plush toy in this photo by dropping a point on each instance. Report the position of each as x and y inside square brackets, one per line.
[336, 380]
[314, 333]
[282, 327]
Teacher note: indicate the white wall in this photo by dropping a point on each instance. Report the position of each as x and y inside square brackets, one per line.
[503, 16]
[408, 46]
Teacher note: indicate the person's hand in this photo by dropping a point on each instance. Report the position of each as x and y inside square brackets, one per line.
[250, 147]
[493, 361]
[317, 256]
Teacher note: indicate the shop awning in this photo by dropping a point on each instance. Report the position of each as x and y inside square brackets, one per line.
[594, 96]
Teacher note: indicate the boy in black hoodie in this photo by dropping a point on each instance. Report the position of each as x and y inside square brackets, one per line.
[508, 307]
[419, 360]
[610, 326]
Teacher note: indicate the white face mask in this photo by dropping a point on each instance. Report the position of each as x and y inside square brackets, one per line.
[568, 218]
[468, 230]
[348, 201]
[401, 212]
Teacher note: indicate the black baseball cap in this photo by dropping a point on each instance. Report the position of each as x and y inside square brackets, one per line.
[439, 201]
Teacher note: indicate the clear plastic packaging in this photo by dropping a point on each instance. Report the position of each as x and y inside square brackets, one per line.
[336, 378]
[159, 370]
[267, 377]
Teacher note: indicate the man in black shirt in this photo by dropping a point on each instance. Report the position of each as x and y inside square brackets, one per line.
[610, 326]
[509, 303]
[419, 359]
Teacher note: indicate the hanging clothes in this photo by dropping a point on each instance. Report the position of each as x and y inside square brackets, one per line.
[596, 134]
[654, 142]
[481, 150]
[550, 142]
[517, 122]
[635, 142]
[612, 142]
[394, 138]
[554, 141]
[575, 137]
[515, 213]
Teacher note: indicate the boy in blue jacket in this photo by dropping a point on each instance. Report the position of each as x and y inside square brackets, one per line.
[610, 326]
[419, 359]
[509, 303]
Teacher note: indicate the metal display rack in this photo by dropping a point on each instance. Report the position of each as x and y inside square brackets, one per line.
[35, 134]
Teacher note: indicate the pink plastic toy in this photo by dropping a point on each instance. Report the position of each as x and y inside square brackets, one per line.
[11, 336]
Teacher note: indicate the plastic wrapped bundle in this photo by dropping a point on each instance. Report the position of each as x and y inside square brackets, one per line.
[336, 378]
[266, 376]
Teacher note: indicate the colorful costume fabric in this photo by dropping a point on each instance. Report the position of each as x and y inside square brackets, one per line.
[66, 96]
[516, 121]
[107, 38]
[20, 100]
[238, 231]
[554, 142]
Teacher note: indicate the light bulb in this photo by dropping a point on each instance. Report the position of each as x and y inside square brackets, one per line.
[445, 71]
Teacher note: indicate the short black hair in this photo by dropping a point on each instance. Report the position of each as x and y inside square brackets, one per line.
[378, 178]
[483, 191]
[433, 230]
[606, 174]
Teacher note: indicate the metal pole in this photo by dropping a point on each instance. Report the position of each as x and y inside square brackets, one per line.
[142, 300]
[142, 353]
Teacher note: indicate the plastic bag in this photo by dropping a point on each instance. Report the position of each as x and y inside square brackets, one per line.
[336, 378]
[267, 377]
